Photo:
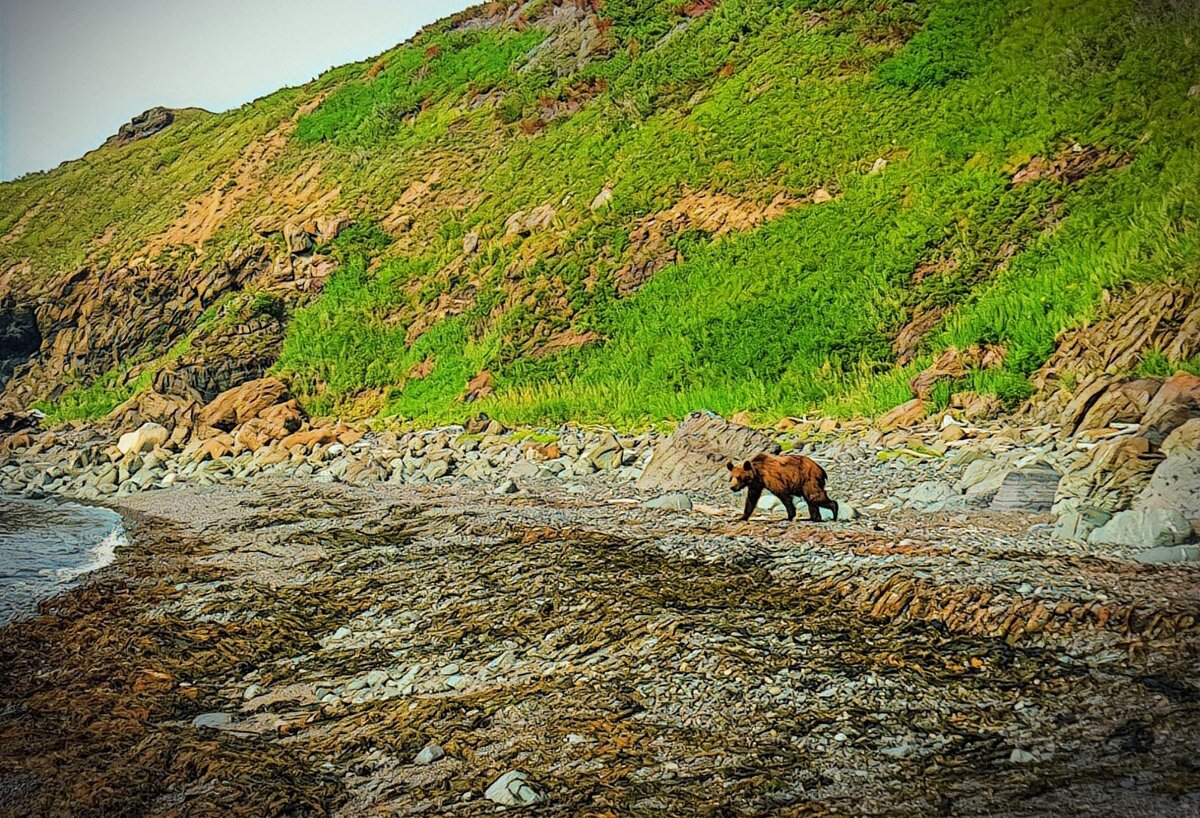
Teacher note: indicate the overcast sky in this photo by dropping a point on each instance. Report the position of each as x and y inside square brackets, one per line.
[72, 71]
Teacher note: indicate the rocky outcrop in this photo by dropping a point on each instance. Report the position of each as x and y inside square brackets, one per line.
[145, 124]
[1176, 402]
[1174, 485]
[243, 403]
[903, 416]
[19, 335]
[93, 319]
[1110, 477]
[1164, 317]
[953, 364]
[1104, 402]
[694, 457]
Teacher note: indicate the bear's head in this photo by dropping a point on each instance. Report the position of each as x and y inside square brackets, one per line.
[741, 476]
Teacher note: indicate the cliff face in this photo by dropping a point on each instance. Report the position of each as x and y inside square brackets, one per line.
[629, 210]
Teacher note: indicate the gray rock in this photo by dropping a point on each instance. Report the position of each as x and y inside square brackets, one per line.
[1029, 489]
[694, 457]
[430, 754]
[846, 511]
[982, 478]
[1144, 528]
[1076, 525]
[433, 469]
[933, 495]
[1174, 484]
[507, 487]
[512, 790]
[524, 468]
[1167, 554]
[213, 720]
[605, 453]
[672, 502]
[1019, 756]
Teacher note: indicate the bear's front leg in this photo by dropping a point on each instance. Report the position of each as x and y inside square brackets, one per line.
[752, 495]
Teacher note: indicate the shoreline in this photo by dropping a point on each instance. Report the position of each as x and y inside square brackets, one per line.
[258, 644]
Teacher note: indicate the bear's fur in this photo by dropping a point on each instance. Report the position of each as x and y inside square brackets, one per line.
[786, 476]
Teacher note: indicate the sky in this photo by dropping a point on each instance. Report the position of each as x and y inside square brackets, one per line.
[73, 71]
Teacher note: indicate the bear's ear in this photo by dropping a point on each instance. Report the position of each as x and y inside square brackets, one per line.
[747, 466]
[729, 466]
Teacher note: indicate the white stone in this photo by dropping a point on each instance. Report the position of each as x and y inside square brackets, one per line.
[430, 754]
[145, 438]
[512, 790]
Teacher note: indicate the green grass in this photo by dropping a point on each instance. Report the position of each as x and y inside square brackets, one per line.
[753, 99]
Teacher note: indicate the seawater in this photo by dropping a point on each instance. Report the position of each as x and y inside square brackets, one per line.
[46, 547]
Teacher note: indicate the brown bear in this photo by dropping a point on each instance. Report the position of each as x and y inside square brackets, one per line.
[785, 476]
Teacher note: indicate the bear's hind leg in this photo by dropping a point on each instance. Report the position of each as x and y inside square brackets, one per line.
[786, 499]
[814, 511]
[832, 505]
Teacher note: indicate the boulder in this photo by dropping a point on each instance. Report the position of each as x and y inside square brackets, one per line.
[975, 406]
[512, 790]
[902, 416]
[143, 439]
[1185, 438]
[299, 240]
[242, 403]
[1077, 524]
[1174, 484]
[170, 411]
[1168, 554]
[274, 423]
[1176, 402]
[982, 478]
[693, 458]
[1030, 489]
[932, 495]
[323, 435]
[1144, 528]
[1113, 474]
[605, 453]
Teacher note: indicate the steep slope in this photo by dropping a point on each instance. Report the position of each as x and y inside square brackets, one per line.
[625, 210]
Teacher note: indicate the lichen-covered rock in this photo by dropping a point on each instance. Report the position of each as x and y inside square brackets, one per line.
[1185, 438]
[1175, 484]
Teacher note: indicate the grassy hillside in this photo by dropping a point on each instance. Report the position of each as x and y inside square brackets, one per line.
[751, 252]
